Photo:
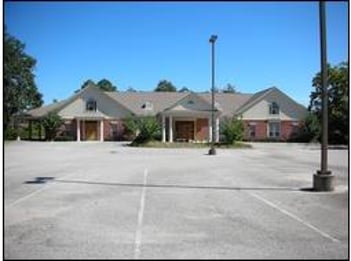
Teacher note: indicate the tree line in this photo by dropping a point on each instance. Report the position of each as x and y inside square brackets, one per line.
[21, 93]
[162, 86]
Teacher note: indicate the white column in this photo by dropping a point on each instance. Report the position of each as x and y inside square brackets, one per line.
[217, 129]
[170, 138]
[163, 128]
[78, 130]
[209, 129]
[102, 130]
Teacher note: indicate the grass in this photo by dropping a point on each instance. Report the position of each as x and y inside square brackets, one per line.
[175, 145]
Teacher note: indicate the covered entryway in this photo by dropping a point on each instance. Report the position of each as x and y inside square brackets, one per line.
[185, 130]
[91, 128]
[91, 131]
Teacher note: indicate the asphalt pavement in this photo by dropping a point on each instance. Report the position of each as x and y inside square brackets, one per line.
[92, 200]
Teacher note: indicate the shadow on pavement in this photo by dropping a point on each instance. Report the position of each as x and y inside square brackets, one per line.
[177, 186]
[39, 180]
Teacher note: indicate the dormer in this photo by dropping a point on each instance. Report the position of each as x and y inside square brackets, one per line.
[90, 105]
[274, 108]
[147, 106]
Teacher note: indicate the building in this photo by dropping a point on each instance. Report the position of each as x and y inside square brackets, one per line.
[93, 114]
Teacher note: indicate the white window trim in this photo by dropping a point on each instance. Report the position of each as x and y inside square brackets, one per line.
[270, 108]
[269, 129]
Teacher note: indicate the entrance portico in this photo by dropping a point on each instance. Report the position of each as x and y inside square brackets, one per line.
[195, 126]
[90, 128]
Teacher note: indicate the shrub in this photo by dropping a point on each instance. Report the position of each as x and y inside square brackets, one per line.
[145, 129]
[232, 130]
[51, 123]
[310, 131]
[64, 138]
[11, 133]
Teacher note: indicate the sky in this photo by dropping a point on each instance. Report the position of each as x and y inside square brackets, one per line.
[138, 44]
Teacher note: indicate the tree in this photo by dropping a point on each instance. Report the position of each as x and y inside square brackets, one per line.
[131, 89]
[233, 130]
[86, 83]
[165, 86]
[20, 90]
[229, 88]
[51, 123]
[106, 85]
[338, 110]
[145, 128]
[184, 89]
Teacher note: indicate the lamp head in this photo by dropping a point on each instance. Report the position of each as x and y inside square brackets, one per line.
[213, 38]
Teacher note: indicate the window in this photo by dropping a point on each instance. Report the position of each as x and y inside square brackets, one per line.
[274, 129]
[252, 131]
[147, 106]
[91, 105]
[295, 128]
[273, 108]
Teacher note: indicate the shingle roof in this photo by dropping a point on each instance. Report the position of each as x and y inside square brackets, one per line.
[253, 99]
[42, 111]
[134, 101]
[227, 103]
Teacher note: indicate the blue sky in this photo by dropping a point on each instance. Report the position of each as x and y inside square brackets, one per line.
[260, 44]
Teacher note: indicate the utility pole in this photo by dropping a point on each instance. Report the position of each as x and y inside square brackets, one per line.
[323, 180]
[212, 151]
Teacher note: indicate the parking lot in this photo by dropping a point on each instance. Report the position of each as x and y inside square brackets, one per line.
[93, 200]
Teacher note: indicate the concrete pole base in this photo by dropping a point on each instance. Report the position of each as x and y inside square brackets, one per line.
[323, 181]
[212, 151]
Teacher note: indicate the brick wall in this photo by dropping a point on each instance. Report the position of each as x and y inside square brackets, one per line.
[74, 129]
[107, 132]
[287, 129]
[201, 129]
[260, 130]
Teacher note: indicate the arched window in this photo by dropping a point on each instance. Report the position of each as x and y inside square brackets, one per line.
[91, 105]
[273, 108]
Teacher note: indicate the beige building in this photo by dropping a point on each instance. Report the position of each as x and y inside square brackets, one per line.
[92, 114]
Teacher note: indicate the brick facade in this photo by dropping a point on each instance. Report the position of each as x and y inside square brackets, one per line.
[201, 129]
[261, 130]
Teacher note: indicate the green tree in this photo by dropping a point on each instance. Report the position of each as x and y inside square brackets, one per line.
[51, 124]
[131, 89]
[20, 90]
[184, 89]
[229, 88]
[165, 86]
[338, 98]
[146, 129]
[233, 130]
[106, 85]
[86, 83]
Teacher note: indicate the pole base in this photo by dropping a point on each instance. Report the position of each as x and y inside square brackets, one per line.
[212, 151]
[323, 181]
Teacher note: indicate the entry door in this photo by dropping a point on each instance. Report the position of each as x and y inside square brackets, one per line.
[184, 130]
[91, 130]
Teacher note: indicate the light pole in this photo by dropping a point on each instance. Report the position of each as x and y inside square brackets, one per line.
[212, 151]
[323, 180]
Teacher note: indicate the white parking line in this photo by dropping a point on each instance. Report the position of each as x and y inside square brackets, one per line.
[293, 216]
[140, 218]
